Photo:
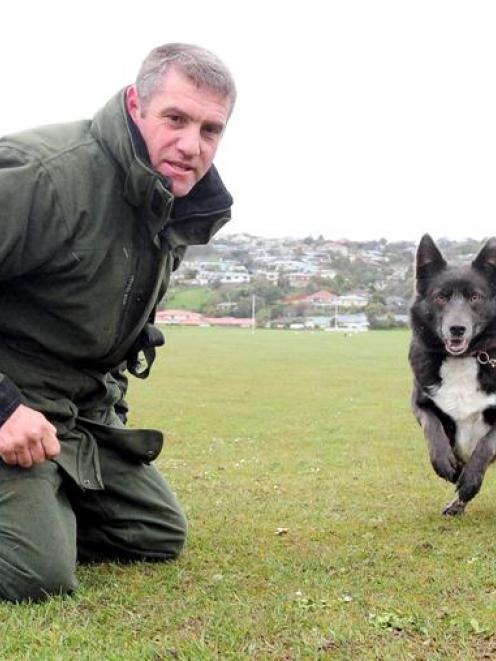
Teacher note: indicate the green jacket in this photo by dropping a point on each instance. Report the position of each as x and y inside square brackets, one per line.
[89, 234]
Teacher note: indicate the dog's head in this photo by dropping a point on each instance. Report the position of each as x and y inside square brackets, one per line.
[456, 303]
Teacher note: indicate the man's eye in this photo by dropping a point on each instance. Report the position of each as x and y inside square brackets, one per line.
[211, 131]
[175, 119]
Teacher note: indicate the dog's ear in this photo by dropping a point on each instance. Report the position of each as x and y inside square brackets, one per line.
[486, 259]
[429, 260]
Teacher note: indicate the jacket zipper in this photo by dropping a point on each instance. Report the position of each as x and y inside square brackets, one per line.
[127, 290]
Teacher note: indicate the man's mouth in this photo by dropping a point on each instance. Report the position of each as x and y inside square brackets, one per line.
[456, 345]
[180, 168]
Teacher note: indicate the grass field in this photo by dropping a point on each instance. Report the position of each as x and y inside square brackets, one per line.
[189, 299]
[315, 526]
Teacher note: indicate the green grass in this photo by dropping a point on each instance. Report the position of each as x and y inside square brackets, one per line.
[189, 299]
[309, 435]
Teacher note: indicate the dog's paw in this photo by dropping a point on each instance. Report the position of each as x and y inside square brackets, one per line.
[447, 466]
[455, 508]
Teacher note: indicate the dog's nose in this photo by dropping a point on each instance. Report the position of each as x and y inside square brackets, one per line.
[457, 331]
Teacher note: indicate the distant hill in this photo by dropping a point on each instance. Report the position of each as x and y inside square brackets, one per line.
[224, 276]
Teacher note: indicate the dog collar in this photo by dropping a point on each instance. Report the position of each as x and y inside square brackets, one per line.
[483, 358]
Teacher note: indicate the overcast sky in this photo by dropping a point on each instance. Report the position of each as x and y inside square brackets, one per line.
[355, 119]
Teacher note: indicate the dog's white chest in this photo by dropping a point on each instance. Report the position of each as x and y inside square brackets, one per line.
[460, 396]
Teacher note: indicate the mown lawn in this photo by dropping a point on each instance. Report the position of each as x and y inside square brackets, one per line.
[189, 299]
[315, 526]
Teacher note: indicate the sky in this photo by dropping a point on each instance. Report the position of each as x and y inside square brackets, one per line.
[357, 119]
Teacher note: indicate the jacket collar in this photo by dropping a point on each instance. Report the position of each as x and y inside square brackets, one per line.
[188, 220]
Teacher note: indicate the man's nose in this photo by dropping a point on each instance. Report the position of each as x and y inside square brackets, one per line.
[189, 141]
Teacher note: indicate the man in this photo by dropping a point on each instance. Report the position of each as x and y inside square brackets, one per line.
[94, 216]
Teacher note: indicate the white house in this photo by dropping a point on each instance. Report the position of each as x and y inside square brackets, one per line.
[352, 301]
[234, 278]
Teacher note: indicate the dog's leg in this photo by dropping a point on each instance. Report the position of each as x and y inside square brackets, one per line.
[455, 508]
[441, 454]
[471, 478]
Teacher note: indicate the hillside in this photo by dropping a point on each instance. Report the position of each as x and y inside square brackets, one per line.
[374, 278]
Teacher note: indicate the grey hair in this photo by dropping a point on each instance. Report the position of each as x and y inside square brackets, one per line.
[199, 64]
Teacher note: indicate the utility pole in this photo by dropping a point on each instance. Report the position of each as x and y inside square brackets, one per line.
[253, 313]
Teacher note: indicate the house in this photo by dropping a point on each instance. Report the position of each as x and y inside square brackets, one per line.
[352, 301]
[350, 322]
[318, 322]
[188, 318]
[328, 274]
[271, 276]
[234, 278]
[299, 279]
[180, 318]
[397, 303]
[233, 322]
[226, 306]
[321, 299]
[295, 299]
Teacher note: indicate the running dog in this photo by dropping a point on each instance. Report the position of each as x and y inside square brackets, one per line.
[453, 359]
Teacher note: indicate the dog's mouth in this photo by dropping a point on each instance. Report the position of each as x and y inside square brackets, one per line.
[456, 346]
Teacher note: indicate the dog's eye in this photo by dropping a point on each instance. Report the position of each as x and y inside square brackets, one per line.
[440, 299]
[475, 298]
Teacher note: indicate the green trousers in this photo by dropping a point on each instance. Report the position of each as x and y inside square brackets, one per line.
[47, 523]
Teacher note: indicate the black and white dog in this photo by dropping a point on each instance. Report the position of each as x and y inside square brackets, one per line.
[453, 358]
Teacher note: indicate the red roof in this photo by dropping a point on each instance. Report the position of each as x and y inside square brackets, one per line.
[189, 318]
[323, 296]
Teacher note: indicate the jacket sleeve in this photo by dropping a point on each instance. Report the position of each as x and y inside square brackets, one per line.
[29, 214]
[10, 398]
[28, 207]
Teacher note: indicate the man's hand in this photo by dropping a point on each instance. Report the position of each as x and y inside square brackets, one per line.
[27, 438]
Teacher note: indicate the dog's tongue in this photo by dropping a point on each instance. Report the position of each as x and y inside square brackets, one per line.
[456, 346]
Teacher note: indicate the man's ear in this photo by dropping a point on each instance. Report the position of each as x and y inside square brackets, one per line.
[486, 259]
[133, 103]
[429, 261]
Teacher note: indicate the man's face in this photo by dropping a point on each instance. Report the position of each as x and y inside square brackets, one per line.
[181, 126]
